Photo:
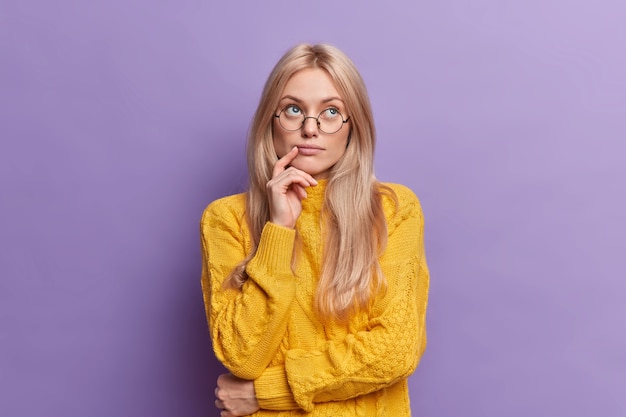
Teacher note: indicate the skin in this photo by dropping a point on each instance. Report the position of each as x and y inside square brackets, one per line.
[235, 396]
[305, 156]
[308, 154]
[312, 91]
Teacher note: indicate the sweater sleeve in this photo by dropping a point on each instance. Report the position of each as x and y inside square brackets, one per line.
[246, 325]
[379, 354]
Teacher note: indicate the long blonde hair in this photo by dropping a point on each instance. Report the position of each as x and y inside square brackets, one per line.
[352, 208]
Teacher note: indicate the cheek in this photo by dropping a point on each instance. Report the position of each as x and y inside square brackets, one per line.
[343, 144]
[279, 144]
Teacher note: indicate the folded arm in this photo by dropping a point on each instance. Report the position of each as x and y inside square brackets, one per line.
[246, 325]
[382, 352]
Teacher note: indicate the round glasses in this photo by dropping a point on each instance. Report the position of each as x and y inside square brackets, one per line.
[329, 121]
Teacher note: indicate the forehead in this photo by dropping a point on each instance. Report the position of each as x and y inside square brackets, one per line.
[311, 84]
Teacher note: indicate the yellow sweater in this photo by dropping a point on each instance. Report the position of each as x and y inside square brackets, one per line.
[268, 331]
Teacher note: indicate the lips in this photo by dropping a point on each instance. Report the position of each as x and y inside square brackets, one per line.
[309, 150]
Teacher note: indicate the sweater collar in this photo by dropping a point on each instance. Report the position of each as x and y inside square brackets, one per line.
[315, 195]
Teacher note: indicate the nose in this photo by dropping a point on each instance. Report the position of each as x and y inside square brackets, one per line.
[310, 128]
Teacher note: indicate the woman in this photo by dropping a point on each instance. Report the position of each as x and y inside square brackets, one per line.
[315, 280]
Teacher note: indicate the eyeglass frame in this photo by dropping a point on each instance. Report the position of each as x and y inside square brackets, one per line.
[317, 120]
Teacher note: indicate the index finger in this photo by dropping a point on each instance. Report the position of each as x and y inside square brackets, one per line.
[283, 162]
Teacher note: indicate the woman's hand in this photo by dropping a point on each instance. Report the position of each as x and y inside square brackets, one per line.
[286, 191]
[235, 396]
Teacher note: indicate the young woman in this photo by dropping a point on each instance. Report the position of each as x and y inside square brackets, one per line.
[315, 280]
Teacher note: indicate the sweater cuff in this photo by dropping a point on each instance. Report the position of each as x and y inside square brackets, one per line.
[275, 250]
[273, 391]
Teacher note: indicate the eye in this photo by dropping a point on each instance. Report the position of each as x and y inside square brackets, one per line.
[292, 110]
[329, 113]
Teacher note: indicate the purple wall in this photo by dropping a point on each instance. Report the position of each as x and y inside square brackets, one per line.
[120, 120]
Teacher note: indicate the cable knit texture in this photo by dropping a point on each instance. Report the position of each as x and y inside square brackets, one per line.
[268, 331]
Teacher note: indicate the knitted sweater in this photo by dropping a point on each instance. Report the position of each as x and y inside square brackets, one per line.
[268, 331]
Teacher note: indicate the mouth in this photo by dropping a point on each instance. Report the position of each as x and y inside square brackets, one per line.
[310, 147]
[309, 150]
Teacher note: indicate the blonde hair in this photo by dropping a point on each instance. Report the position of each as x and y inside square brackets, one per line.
[352, 207]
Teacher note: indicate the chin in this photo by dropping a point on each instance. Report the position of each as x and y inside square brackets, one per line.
[307, 168]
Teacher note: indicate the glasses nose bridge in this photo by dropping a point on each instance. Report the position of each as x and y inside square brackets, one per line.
[317, 120]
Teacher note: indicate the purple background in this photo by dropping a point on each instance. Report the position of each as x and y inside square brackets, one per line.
[121, 120]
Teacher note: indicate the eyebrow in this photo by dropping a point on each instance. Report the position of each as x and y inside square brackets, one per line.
[296, 99]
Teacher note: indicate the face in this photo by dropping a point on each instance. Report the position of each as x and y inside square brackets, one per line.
[311, 92]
